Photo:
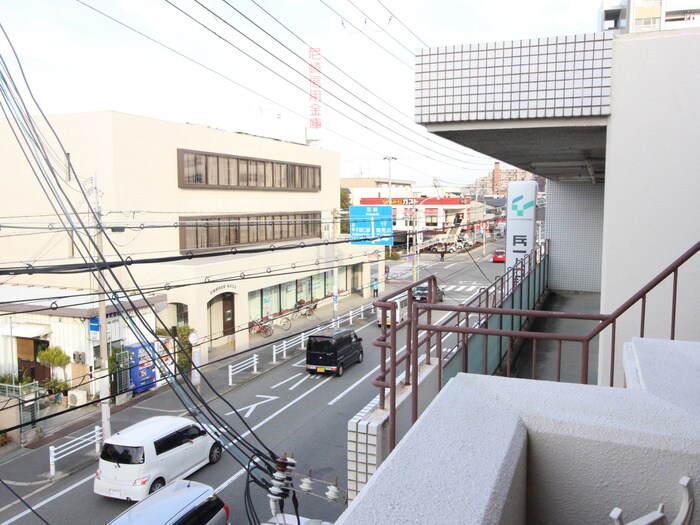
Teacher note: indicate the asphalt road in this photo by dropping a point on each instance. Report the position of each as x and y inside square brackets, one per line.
[289, 410]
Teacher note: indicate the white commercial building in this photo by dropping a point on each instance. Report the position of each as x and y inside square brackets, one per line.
[269, 208]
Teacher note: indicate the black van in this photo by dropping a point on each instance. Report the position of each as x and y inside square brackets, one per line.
[332, 350]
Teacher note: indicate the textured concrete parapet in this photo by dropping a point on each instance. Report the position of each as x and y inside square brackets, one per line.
[368, 432]
[667, 369]
[499, 450]
[450, 469]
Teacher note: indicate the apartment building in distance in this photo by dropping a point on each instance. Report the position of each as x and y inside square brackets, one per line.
[495, 184]
[639, 16]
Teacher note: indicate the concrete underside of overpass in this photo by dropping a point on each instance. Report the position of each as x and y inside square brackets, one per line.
[553, 148]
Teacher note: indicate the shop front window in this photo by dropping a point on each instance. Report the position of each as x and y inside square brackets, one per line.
[254, 305]
[304, 289]
[270, 301]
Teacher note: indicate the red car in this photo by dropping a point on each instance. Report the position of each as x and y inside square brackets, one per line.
[499, 256]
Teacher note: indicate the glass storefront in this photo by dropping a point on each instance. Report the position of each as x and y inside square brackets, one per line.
[281, 298]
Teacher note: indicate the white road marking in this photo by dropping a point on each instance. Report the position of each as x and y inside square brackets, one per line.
[300, 381]
[171, 411]
[460, 288]
[252, 407]
[285, 381]
[449, 266]
[374, 370]
[269, 418]
[220, 487]
[49, 500]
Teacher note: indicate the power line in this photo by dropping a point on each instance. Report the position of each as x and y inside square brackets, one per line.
[284, 78]
[221, 75]
[394, 17]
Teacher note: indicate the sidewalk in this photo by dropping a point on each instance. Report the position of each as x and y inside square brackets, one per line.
[67, 421]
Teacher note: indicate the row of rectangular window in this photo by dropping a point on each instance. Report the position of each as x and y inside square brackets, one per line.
[198, 169]
[200, 233]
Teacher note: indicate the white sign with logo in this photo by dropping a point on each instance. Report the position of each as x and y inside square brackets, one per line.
[520, 225]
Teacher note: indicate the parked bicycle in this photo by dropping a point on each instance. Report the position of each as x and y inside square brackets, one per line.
[298, 308]
[263, 328]
[306, 310]
[283, 322]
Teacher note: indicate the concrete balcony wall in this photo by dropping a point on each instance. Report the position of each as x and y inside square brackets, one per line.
[589, 449]
[368, 432]
[651, 156]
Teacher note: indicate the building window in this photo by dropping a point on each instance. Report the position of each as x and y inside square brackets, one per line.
[209, 233]
[209, 170]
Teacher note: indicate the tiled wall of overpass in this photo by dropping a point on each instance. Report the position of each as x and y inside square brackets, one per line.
[574, 227]
[564, 76]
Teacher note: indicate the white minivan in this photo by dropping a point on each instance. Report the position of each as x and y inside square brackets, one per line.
[144, 457]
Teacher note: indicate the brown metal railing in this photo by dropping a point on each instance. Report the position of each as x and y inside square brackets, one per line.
[496, 323]
[493, 296]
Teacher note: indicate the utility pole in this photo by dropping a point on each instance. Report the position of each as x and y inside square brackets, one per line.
[390, 158]
[102, 315]
[336, 216]
[415, 242]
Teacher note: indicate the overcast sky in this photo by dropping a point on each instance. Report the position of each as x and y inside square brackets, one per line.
[244, 69]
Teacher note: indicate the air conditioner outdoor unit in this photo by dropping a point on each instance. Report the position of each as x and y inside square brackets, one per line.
[77, 397]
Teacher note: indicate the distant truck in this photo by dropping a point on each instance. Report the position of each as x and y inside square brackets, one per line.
[450, 247]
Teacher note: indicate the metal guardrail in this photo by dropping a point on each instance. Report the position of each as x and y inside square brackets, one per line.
[498, 322]
[523, 285]
[252, 361]
[72, 446]
[299, 340]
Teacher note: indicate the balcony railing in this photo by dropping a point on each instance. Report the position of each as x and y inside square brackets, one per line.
[497, 323]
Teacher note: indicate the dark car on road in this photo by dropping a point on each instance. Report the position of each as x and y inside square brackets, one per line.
[420, 293]
[332, 351]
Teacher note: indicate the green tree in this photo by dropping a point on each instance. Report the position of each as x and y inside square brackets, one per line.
[345, 205]
[54, 356]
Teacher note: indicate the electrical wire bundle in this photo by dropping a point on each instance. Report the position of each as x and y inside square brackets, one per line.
[253, 455]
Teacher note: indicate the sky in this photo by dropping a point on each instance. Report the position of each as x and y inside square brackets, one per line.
[242, 65]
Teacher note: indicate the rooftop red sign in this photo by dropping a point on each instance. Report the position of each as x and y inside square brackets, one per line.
[415, 201]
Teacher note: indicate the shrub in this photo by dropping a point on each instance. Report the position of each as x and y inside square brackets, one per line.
[53, 356]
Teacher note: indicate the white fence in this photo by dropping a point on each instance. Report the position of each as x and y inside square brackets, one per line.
[252, 361]
[61, 451]
[299, 340]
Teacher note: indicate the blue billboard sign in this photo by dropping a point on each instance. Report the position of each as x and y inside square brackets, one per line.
[372, 224]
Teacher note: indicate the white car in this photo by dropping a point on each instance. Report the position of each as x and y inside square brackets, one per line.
[181, 502]
[144, 457]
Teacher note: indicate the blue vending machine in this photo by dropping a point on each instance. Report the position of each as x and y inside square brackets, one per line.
[141, 368]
